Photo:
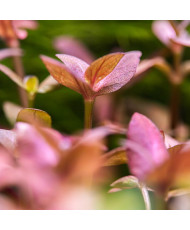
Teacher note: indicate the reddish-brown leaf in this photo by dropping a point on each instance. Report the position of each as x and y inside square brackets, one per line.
[6, 30]
[100, 68]
[62, 74]
[174, 172]
[115, 157]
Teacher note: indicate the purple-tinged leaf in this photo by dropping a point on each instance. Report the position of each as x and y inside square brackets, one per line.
[20, 27]
[145, 146]
[183, 25]
[8, 139]
[157, 62]
[170, 141]
[120, 75]
[72, 46]
[39, 145]
[107, 74]
[183, 40]
[76, 66]
[4, 53]
[164, 31]
[63, 74]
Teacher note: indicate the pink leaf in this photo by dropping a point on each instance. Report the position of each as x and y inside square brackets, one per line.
[7, 139]
[31, 142]
[72, 46]
[182, 40]
[4, 53]
[75, 65]
[62, 74]
[20, 27]
[121, 74]
[164, 31]
[145, 145]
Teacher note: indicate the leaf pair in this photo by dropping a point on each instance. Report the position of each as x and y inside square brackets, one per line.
[172, 34]
[107, 74]
[30, 83]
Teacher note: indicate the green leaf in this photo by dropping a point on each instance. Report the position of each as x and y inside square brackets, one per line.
[127, 182]
[31, 84]
[35, 116]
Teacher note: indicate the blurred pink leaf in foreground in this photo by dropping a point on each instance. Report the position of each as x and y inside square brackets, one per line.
[48, 170]
[145, 144]
[150, 160]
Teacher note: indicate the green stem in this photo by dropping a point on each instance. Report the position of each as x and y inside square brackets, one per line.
[31, 98]
[145, 195]
[88, 104]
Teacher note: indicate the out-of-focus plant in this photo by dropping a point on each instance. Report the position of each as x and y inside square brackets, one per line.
[44, 169]
[155, 163]
[105, 75]
[175, 37]
[11, 32]
[9, 52]
[30, 84]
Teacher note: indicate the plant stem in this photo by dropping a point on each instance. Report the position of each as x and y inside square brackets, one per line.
[175, 94]
[88, 104]
[20, 71]
[31, 100]
[173, 24]
[18, 66]
[174, 106]
[145, 195]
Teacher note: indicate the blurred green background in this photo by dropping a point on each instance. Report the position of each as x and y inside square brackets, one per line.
[101, 37]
